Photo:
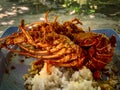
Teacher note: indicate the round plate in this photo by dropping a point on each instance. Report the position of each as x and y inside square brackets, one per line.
[12, 77]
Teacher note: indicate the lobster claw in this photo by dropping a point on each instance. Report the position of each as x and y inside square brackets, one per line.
[113, 40]
[97, 75]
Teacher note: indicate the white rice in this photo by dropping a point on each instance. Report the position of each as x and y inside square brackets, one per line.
[63, 79]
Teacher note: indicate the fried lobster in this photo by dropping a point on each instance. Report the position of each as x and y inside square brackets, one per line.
[64, 45]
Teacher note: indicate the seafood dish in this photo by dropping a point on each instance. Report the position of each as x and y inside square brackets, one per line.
[64, 56]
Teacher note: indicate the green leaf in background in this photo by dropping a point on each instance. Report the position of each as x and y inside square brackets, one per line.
[77, 9]
[91, 11]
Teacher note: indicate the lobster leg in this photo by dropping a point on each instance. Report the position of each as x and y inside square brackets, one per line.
[65, 58]
[53, 56]
[52, 50]
[29, 38]
[12, 39]
[33, 51]
[48, 67]
[69, 57]
[77, 63]
[77, 21]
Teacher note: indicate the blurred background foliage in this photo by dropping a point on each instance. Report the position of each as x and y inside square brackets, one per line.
[107, 7]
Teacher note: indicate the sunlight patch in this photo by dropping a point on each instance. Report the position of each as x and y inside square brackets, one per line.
[24, 8]
[13, 7]
[42, 19]
[11, 22]
[20, 11]
[10, 13]
[4, 23]
[1, 32]
[92, 16]
[3, 15]
[1, 9]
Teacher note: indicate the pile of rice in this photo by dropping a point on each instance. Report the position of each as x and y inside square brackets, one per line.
[61, 79]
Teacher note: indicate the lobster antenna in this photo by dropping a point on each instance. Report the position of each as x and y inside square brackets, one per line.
[22, 23]
[46, 16]
[89, 29]
[56, 18]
